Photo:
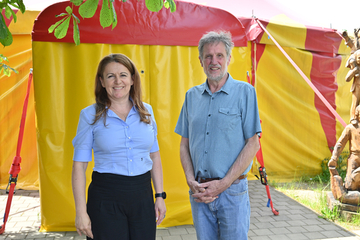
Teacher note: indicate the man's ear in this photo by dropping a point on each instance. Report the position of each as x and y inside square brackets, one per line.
[228, 62]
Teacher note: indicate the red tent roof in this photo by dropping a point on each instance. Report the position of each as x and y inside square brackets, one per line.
[137, 25]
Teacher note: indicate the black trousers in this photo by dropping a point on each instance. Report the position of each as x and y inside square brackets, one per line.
[121, 207]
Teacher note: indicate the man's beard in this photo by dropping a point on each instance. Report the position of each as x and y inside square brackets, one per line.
[218, 77]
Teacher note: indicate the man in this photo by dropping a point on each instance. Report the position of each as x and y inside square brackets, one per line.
[348, 192]
[219, 124]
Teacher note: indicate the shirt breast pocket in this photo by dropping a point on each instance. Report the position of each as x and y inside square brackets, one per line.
[229, 118]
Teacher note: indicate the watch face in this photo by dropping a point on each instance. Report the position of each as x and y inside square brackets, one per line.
[164, 195]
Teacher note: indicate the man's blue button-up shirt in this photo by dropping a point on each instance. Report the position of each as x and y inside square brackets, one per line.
[217, 125]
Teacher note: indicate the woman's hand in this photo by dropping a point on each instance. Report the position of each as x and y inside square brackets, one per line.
[160, 210]
[83, 225]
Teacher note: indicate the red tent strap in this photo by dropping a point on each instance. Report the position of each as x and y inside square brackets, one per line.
[262, 171]
[322, 98]
[15, 166]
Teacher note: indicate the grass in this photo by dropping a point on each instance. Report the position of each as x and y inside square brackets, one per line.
[311, 192]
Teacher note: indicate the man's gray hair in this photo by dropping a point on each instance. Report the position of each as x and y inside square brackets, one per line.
[216, 37]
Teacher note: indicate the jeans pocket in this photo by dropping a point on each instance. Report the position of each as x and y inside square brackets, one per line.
[238, 189]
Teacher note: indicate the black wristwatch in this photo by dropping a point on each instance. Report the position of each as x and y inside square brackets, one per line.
[163, 195]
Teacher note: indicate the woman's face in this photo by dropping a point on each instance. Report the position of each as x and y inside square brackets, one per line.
[117, 81]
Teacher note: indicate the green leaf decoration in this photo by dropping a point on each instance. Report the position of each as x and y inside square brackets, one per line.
[68, 10]
[61, 30]
[172, 6]
[3, 28]
[88, 8]
[76, 2]
[154, 5]
[52, 27]
[105, 14]
[76, 32]
[166, 4]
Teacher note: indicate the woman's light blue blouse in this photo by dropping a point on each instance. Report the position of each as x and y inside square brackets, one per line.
[119, 147]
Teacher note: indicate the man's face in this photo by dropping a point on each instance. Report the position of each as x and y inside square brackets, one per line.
[214, 61]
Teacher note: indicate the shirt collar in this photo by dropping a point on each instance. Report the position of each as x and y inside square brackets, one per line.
[112, 114]
[226, 88]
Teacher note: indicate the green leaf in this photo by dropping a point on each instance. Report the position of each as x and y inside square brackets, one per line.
[76, 32]
[105, 14]
[21, 5]
[88, 8]
[14, 15]
[68, 10]
[8, 12]
[166, 4]
[6, 68]
[7, 72]
[3, 58]
[3, 28]
[76, 2]
[61, 30]
[61, 15]
[18, 4]
[52, 27]
[76, 18]
[6, 38]
[172, 6]
[113, 15]
[154, 5]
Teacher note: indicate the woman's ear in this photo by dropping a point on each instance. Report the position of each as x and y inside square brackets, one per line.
[102, 81]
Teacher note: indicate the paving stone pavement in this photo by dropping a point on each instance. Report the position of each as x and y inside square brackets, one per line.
[294, 222]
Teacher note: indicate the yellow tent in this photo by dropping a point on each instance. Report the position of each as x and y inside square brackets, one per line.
[298, 131]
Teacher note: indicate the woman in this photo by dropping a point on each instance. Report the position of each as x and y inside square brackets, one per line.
[121, 131]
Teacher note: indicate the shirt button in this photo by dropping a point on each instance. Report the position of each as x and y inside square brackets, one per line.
[129, 148]
[131, 173]
[129, 137]
[205, 152]
[212, 98]
[209, 115]
[207, 133]
[130, 160]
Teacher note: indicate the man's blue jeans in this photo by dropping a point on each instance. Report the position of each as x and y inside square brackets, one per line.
[226, 218]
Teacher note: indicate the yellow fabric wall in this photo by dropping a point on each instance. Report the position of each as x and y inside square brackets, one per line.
[12, 95]
[294, 143]
[292, 132]
[64, 81]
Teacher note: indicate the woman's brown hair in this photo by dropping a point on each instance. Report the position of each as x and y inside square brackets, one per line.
[102, 100]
